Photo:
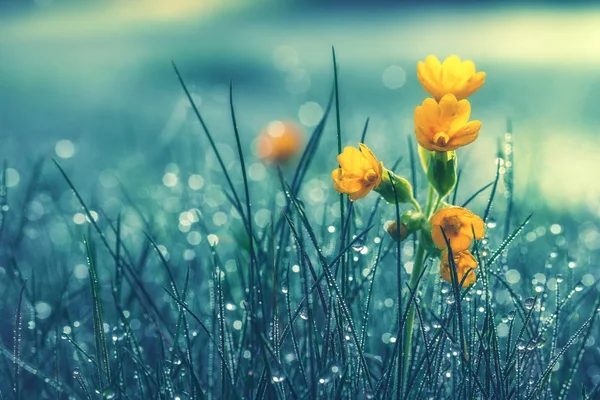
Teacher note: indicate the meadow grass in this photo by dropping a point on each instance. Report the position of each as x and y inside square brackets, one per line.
[297, 308]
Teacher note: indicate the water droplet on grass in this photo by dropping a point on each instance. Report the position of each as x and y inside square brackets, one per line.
[529, 303]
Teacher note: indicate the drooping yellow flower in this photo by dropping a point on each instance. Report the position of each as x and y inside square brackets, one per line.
[458, 224]
[445, 126]
[464, 262]
[359, 172]
[279, 142]
[452, 76]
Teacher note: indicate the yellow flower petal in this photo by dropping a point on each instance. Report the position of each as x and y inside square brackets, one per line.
[462, 112]
[465, 264]
[466, 135]
[451, 76]
[456, 223]
[351, 159]
[444, 126]
[359, 172]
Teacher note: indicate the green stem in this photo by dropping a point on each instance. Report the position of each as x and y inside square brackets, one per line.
[429, 205]
[414, 277]
[410, 317]
[415, 204]
[437, 204]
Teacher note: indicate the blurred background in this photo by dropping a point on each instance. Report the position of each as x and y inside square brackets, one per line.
[92, 84]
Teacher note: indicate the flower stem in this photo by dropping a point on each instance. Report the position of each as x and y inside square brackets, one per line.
[437, 204]
[415, 204]
[414, 277]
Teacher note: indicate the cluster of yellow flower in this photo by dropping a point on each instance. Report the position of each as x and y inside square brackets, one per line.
[458, 224]
[441, 126]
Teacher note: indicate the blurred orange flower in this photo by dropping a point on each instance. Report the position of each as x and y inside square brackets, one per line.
[458, 224]
[279, 142]
[452, 76]
[464, 261]
[359, 172]
[445, 126]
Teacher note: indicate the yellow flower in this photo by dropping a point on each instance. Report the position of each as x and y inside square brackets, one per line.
[451, 76]
[279, 142]
[464, 262]
[359, 173]
[458, 224]
[445, 126]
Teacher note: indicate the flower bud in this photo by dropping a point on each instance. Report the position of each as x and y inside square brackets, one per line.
[413, 220]
[410, 221]
[441, 171]
[397, 234]
[394, 188]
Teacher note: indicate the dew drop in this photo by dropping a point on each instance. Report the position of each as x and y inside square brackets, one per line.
[529, 303]
[358, 246]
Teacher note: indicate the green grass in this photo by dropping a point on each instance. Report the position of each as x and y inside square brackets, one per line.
[303, 307]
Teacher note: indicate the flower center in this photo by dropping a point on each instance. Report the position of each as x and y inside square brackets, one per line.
[371, 176]
[451, 225]
[441, 138]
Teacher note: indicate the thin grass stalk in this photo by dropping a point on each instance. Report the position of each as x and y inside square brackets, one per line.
[211, 142]
[401, 366]
[102, 356]
[337, 291]
[17, 345]
[588, 324]
[509, 174]
[488, 208]
[344, 278]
